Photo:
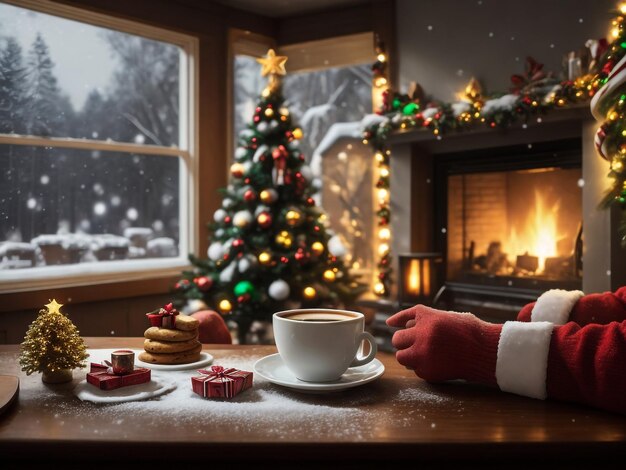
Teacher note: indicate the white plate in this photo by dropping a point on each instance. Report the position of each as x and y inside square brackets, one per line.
[273, 369]
[99, 355]
[156, 387]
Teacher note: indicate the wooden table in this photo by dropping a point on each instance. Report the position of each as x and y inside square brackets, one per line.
[397, 417]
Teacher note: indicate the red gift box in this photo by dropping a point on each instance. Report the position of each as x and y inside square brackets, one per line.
[103, 378]
[165, 317]
[221, 383]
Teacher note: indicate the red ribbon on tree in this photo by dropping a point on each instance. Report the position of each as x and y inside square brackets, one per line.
[279, 154]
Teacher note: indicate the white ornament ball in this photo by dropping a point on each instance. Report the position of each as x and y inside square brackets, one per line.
[306, 172]
[317, 184]
[215, 251]
[193, 306]
[240, 153]
[278, 290]
[273, 124]
[242, 219]
[220, 215]
[228, 203]
[219, 233]
[227, 273]
[262, 127]
[336, 246]
[246, 263]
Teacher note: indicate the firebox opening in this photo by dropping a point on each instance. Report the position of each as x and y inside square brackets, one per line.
[515, 224]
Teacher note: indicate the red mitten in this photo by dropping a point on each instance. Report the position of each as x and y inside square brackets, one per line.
[559, 307]
[212, 329]
[442, 345]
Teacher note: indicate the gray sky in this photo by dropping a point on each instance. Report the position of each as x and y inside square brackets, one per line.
[85, 65]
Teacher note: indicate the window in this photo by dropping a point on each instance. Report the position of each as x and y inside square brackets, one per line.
[97, 165]
[328, 88]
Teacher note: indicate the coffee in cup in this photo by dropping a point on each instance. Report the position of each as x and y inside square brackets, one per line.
[319, 345]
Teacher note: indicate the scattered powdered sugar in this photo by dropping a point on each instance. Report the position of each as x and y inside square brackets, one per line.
[420, 395]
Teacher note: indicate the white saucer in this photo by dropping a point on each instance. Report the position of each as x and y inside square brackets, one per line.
[99, 355]
[273, 369]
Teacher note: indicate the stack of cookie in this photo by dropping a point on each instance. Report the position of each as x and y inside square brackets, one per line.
[178, 345]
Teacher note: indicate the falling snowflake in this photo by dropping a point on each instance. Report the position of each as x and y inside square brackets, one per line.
[99, 208]
[31, 203]
[45, 179]
[132, 214]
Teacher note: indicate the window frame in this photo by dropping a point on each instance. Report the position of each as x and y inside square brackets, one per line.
[127, 272]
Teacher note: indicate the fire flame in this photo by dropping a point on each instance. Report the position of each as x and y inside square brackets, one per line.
[539, 235]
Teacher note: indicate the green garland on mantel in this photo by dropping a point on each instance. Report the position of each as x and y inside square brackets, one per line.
[533, 94]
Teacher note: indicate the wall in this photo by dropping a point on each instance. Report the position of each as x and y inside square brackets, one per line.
[459, 46]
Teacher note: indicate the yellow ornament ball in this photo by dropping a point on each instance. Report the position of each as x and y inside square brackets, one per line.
[284, 239]
[293, 217]
[297, 133]
[268, 196]
[237, 170]
[317, 248]
[309, 292]
[269, 112]
[225, 306]
[265, 258]
[329, 275]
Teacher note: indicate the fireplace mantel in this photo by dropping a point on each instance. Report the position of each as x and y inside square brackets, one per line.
[414, 153]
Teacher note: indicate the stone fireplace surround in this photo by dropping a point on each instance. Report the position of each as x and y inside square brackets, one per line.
[417, 228]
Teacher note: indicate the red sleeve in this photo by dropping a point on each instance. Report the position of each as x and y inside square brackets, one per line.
[593, 308]
[588, 365]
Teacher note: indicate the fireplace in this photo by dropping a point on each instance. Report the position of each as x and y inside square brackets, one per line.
[512, 219]
[513, 214]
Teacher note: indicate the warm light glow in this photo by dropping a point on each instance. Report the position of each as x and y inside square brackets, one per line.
[329, 275]
[269, 112]
[379, 288]
[384, 233]
[413, 281]
[384, 172]
[615, 32]
[381, 57]
[380, 82]
[309, 292]
[622, 8]
[539, 235]
[383, 194]
[265, 257]
[383, 249]
[379, 157]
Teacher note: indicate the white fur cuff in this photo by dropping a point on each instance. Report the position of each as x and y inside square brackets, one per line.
[522, 361]
[555, 306]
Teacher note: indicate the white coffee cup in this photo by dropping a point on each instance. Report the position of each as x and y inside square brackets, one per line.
[318, 345]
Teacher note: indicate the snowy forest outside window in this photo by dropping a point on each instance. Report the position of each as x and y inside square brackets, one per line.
[94, 147]
[325, 103]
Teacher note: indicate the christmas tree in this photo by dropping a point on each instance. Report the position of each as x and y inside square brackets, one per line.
[52, 345]
[270, 248]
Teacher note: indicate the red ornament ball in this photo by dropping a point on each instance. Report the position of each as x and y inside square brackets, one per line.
[243, 298]
[310, 202]
[227, 219]
[264, 219]
[249, 195]
[284, 259]
[204, 283]
[238, 243]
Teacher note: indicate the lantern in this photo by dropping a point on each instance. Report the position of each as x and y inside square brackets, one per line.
[419, 274]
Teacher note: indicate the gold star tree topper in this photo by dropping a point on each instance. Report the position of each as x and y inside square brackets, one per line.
[54, 306]
[274, 66]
